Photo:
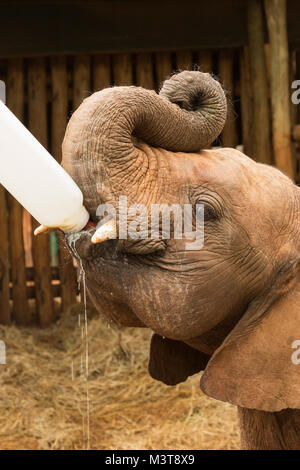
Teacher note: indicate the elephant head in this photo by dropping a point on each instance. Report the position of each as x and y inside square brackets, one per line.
[231, 307]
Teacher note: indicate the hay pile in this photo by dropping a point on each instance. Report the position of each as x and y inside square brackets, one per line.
[43, 398]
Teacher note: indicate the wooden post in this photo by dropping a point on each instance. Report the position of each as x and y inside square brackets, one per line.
[205, 60]
[144, 70]
[82, 79]
[246, 102]
[229, 134]
[298, 76]
[59, 115]
[5, 315]
[15, 102]
[292, 77]
[122, 69]
[163, 62]
[259, 81]
[293, 112]
[4, 260]
[280, 85]
[297, 121]
[184, 60]
[101, 72]
[268, 70]
[37, 116]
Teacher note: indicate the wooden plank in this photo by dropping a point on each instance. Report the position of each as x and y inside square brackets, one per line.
[293, 111]
[101, 72]
[298, 75]
[37, 120]
[5, 316]
[64, 27]
[31, 292]
[280, 86]
[205, 60]
[59, 104]
[229, 135]
[15, 102]
[122, 69]
[268, 67]
[82, 79]
[27, 236]
[144, 70]
[59, 115]
[184, 60]
[292, 77]
[246, 102]
[296, 119]
[258, 72]
[30, 273]
[296, 133]
[163, 65]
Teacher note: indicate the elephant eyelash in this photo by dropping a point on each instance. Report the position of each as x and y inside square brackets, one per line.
[209, 212]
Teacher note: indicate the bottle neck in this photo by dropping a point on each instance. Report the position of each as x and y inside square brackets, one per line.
[76, 222]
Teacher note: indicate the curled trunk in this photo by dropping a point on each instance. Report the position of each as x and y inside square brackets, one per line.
[187, 115]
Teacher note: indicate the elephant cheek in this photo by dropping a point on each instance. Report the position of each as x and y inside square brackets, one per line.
[165, 310]
[115, 312]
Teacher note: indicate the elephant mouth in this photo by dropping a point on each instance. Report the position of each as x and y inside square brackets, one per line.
[82, 247]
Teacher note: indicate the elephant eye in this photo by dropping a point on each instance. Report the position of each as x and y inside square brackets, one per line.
[209, 212]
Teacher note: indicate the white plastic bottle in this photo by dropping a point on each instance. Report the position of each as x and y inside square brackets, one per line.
[36, 180]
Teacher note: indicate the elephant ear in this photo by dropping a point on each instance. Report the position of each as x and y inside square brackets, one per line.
[172, 361]
[256, 366]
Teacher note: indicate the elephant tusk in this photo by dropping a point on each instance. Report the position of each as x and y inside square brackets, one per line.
[105, 232]
[43, 229]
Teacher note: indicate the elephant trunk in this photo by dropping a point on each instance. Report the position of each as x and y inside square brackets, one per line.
[187, 115]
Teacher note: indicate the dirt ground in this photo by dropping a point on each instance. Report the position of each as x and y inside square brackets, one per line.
[43, 393]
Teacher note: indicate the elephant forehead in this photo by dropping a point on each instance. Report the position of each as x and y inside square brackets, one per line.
[220, 167]
[233, 172]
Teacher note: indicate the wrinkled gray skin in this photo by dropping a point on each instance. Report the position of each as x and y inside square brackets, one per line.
[133, 142]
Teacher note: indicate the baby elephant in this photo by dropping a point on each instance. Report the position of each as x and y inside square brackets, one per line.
[228, 305]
